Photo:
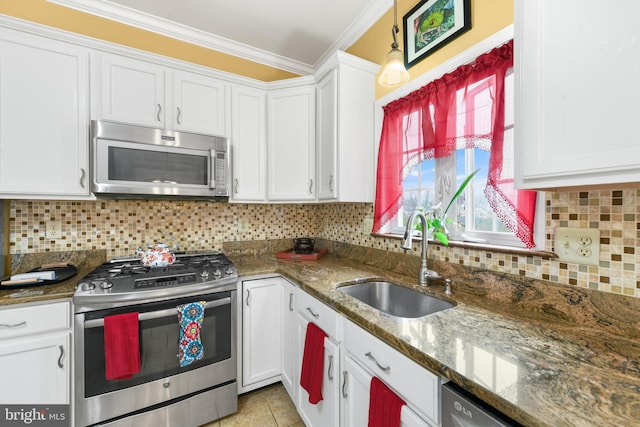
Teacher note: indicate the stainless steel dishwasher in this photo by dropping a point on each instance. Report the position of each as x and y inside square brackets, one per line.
[460, 409]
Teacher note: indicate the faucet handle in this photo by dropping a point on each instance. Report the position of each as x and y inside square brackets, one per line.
[447, 287]
[433, 275]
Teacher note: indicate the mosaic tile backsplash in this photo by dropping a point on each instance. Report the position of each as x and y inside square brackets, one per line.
[120, 226]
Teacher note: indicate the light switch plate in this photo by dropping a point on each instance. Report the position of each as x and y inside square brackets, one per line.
[577, 245]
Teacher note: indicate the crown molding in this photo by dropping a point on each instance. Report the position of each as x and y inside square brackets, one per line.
[369, 16]
[137, 19]
[28, 27]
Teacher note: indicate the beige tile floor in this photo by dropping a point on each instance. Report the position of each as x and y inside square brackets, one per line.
[269, 406]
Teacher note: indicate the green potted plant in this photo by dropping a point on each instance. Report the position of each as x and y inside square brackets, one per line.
[437, 223]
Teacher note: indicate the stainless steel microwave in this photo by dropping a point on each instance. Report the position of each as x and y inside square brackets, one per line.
[135, 161]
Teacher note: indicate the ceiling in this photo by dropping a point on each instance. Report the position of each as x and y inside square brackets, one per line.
[293, 35]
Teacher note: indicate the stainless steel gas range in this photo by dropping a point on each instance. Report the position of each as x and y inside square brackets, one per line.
[161, 392]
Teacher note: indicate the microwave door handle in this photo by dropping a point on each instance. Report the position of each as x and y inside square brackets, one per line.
[212, 180]
[99, 323]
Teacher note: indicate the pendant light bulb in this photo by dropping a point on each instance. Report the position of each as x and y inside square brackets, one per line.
[393, 71]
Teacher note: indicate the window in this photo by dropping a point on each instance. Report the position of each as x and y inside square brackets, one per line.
[430, 182]
[436, 136]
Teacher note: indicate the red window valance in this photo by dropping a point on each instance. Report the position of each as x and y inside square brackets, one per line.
[462, 109]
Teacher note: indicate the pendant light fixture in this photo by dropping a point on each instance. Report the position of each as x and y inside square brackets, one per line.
[393, 71]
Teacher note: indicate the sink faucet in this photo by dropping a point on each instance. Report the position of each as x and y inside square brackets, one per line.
[407, 243]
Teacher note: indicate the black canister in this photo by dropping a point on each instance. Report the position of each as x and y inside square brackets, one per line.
[303, 245]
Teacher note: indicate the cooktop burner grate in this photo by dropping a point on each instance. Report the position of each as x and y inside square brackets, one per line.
[127, 280]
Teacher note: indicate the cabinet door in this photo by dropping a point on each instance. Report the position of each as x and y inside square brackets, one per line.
[199, 104]
[44, 117]
[291, 144]
[355, 394]
[416, 385]
[576, 95]
[326, 412]
[356, 140]
[356, 382]
[327, 137]
[248, 140]
[261, 326]
[35, 370]
[131, 91]
[289, 368]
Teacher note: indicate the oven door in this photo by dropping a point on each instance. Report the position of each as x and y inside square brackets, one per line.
[161, 379]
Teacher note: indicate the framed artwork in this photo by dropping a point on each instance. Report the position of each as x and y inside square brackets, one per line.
[431, 24]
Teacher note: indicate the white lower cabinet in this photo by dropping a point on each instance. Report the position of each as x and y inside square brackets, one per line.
[35, 354]
[289, 369]
[354, 391]
[418, 387]
[275, 316]
[327, 411]
[261, 332]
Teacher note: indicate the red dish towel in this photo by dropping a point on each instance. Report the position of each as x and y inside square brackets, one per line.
[384, 405]
[121, 346]
[313, 363]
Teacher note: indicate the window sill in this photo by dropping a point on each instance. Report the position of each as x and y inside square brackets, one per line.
[478, 246]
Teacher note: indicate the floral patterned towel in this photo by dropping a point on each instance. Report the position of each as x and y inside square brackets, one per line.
[190, 318]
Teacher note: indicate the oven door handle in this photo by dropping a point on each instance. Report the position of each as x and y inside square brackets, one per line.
[99, 323]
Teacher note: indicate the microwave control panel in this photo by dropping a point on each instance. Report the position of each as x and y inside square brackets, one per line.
[220, 171]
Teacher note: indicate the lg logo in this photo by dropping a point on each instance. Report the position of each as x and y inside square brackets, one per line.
[458, 406]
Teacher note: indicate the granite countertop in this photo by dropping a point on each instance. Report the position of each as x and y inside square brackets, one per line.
[528, 357]
[544, 355]
[85, 261]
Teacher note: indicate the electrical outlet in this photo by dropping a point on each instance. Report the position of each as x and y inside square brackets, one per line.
[584, 252]
[578, 245]
[53, 230]
[585, 240]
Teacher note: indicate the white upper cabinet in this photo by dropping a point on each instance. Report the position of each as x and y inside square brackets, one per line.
[147, 94]
[291, 143]
[576, 95]
[44, 94]
[249, 144]
[326, 136]
[345, 143]
[131, 91]
[199, 103]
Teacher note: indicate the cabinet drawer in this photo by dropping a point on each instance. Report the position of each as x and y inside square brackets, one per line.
[317, 312]
[31, 319]
[417, 386]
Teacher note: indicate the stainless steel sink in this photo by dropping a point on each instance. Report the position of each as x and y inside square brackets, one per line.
[395, 300]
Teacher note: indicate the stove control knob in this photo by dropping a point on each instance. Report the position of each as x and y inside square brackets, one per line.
[87, 286]
[217, 273]
[105, 284]
[229, 271]
[204, 275]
